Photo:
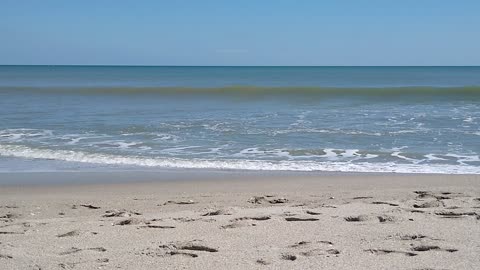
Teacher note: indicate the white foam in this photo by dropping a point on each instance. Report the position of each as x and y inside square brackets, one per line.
[349, 153]
[433, 157]
[468, 119]
[254, 151]
[166, 137]
[330, 154]
[461, 159]
[399, 155]
[405, 131]
[325, 131]
[126, 145]
[219, 127]
[19, 134]
[105, 159]
[74, 141]
[116, 144]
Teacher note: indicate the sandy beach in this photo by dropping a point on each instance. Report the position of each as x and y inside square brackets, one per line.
[305, 222]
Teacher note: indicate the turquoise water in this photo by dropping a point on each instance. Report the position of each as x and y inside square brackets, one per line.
[353, 119]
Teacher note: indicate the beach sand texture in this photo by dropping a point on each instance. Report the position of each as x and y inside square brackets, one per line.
[321, 222]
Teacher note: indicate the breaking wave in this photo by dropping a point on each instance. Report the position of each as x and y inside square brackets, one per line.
[227, 164]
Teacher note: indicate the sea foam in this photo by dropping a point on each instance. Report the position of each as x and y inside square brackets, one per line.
[258, 165]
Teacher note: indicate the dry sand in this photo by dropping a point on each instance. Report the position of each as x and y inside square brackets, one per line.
[322, 222]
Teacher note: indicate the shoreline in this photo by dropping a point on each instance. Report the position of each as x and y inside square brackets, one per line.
[151, 176]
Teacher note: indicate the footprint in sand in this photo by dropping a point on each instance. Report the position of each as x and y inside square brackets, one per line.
[262, 262]
[451, 214]
[220, 212]
[243, 222]
[428, 194]
[412, 236]
[234, 225]
[259, 218]
[120, 213]
[315, 251]
[389, 251]
[313, 213]
[278, 201]
[301, 219]
[89, 206]
[69, 234]
[131, 221]
[388, 219]
[357, 218]
[429, 204]
[185, 219]
[180, 202]
[3, 232]
[320, 252]
[299, 244]
[423, 248]
[386, 203]
[9, 217]
[3, 256]
[289, 257]
[262, 199]
[362, 197]
[195, 247]
[185, 249]
[158, 227]
[75, 250]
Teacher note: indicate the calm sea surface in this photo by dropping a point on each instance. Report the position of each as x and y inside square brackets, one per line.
[353, 119]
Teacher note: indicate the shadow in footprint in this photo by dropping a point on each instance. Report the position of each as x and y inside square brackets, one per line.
[216, 213]
[425, 248]
[300, 219]
[389, 251]
[89, 206]
[289, 257]
[69, 234]
[174, 252]
[259, 218]
[430, 204]
[450, 214]
[3, 256]
[75, 250]
[356, 218]
[180, 202]
[387, 219]
[412, 236]
[387, 203]
[262, 262]
[362, 197]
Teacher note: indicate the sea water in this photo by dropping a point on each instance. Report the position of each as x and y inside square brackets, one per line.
[348, 119]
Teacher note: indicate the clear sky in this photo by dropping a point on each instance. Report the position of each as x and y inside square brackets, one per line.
[240, 32]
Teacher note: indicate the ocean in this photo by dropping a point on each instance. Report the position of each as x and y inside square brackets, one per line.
[310, 119]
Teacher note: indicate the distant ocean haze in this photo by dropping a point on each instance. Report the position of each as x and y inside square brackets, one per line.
[352, 119]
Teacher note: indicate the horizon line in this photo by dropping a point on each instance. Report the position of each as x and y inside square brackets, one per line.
[108, 65]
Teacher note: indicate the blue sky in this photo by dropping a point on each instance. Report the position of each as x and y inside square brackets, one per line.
[243, 32]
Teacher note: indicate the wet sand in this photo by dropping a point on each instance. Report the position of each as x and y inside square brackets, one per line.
[294, 222]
